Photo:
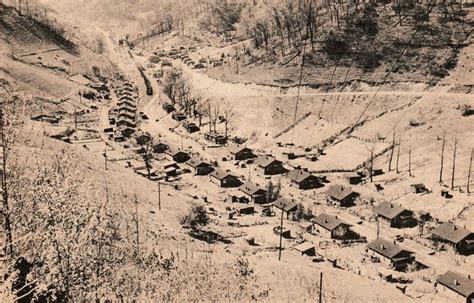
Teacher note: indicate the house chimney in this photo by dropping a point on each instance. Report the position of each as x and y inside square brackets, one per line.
[454, 227]
[456, 282]
[325, 220]
[335, 216]
[469, 277]
[382, 246]
[391, 205]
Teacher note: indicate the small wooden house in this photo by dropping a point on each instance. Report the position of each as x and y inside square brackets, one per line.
[177, 155]
[330, 226]
[390, 254]
[270, 165]
[255, 193]
[459, 288]
[241, 152]
[342, 195]
[304, 180]
[394, 216]
[460, 239]
[224, 178]
[199, 166]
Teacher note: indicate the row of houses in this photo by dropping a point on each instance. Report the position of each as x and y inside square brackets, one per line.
[124, 115]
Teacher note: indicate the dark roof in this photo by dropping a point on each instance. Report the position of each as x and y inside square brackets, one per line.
[265, 160]
[221, 174]
[386, 248]
[197, 162]
[299, 175]
[237, 148]
[304, 247]
[285, 204]
[457, 282]
[389, 210]
[173, 151]
[328, 222]
[418, 185]
[451, 232]
[250, 188]
[339, 192]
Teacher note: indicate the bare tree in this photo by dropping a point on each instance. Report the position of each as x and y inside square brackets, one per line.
[398, 154]
[454, 161]
[469, 173]
[391, 152]
[442, 158]
[228, 114]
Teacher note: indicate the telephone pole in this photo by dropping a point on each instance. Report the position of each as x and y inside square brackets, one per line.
[4, 184]
[409, 162]
[105, 158]
[321, 287]
[281, 233]
[398, 154]
[159, 195]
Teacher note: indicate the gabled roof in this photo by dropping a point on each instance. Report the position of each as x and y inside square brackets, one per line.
[251, 189]
[389, 210]
[386, 248]
[221, 174]
[457, 283]
[328, 222]
[124, 97]
[339, 192]
[197, 162]
[265, 160]
[299, 175]
[285, 204]
[451, 232]
[238, 148]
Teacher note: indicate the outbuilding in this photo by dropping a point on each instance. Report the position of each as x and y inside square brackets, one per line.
[306, 248]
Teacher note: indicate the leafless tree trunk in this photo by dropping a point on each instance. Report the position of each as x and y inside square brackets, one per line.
[469, 172]
[409, 162]
[391, 153]
[6, 207]
[442, 158]
[398, 154]
[454, 161]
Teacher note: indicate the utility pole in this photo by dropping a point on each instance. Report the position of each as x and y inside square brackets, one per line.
[159, 195]
[398, 154]
[281, 233]
[105, 158]
[442, 158]
[409, 161]
[321, 287]
[378, 227]
[454, 161]
[469, 172]
[372, 164]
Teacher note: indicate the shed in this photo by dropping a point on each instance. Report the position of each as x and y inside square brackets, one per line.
[418, 188]
[306, 248]
[177, 155]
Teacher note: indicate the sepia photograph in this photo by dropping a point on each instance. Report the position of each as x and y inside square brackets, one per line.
[237, 151]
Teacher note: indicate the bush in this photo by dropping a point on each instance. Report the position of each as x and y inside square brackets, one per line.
[195, 217]
[335, 45]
